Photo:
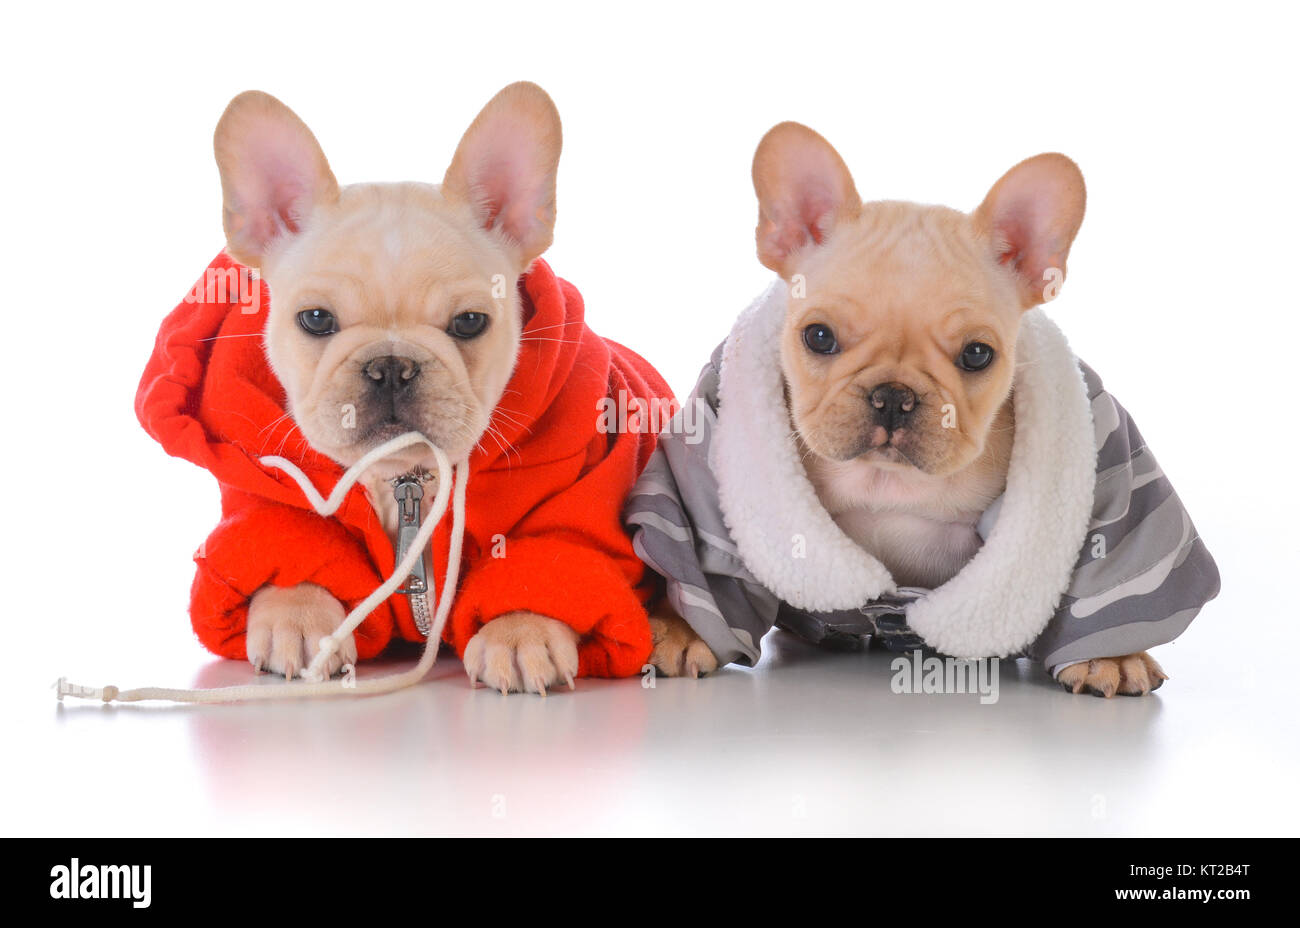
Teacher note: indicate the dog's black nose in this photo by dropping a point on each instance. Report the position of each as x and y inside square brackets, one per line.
[391, 374]
[892, 405]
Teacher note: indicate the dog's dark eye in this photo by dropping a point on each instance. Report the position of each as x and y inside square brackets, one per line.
[467, 325]
[820, 339]
[317, 322]
[975, 357]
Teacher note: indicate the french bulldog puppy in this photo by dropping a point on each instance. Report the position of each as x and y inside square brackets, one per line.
[899, 350]
[388, 300]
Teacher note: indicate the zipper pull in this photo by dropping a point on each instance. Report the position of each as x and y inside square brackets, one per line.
[408, 493]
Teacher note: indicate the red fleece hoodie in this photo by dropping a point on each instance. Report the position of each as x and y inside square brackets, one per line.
[208, 395]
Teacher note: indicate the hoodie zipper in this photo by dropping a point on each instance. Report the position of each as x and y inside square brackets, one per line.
[408, 492]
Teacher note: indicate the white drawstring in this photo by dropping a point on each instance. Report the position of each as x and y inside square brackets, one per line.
[451, 483]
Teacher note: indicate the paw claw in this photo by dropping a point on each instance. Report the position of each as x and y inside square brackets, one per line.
[1131, 675]
[678, 650]
[286, 625]
[523, 652]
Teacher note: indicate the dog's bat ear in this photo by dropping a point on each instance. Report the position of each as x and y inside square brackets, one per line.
[804, 189]
[1029, 220]
[505, 167]
[273, 173]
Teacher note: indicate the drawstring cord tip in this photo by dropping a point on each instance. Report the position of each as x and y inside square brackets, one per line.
[63, 688]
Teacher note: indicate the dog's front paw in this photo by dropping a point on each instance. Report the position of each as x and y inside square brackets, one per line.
[678, 651]
[1131, 675]
[286, 624]
[523, 652]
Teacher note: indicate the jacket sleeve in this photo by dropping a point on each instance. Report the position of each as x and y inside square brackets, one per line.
[565, 554]
[1143, 572]
[679, 531]
[239, 558]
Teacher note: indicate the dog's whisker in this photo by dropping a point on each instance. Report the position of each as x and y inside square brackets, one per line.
[543, 328]
[510, 419]
[269, 427]
[505, 446]
[274, 423]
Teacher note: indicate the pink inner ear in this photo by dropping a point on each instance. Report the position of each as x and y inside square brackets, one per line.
[802, 187]
[502, 192]
[508, 186]
[290, 196]
[800, 223]
[818, 203]
[280, 183]
[1027, 240]
[276, 210]
[1030, 243]
[275, 179]
[1030, 218]
[1010, 243]
[800, 220]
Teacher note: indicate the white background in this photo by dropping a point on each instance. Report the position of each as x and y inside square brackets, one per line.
[1181, 294]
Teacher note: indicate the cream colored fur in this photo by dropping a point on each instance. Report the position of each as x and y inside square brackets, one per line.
[394, 266]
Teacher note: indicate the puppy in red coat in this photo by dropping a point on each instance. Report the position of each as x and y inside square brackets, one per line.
[380, 309]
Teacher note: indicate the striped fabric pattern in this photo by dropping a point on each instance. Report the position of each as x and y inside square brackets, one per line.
[1141, 575]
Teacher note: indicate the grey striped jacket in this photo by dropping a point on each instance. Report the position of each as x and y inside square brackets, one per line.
[1087, 553]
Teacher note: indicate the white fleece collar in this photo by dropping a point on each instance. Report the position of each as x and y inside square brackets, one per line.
[1003, 598]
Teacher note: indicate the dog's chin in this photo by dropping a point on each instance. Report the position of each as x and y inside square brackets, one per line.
[416, 457]
[888, 457]
[385, 432]
[897, 452]
[902, 452]
[904, 455]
